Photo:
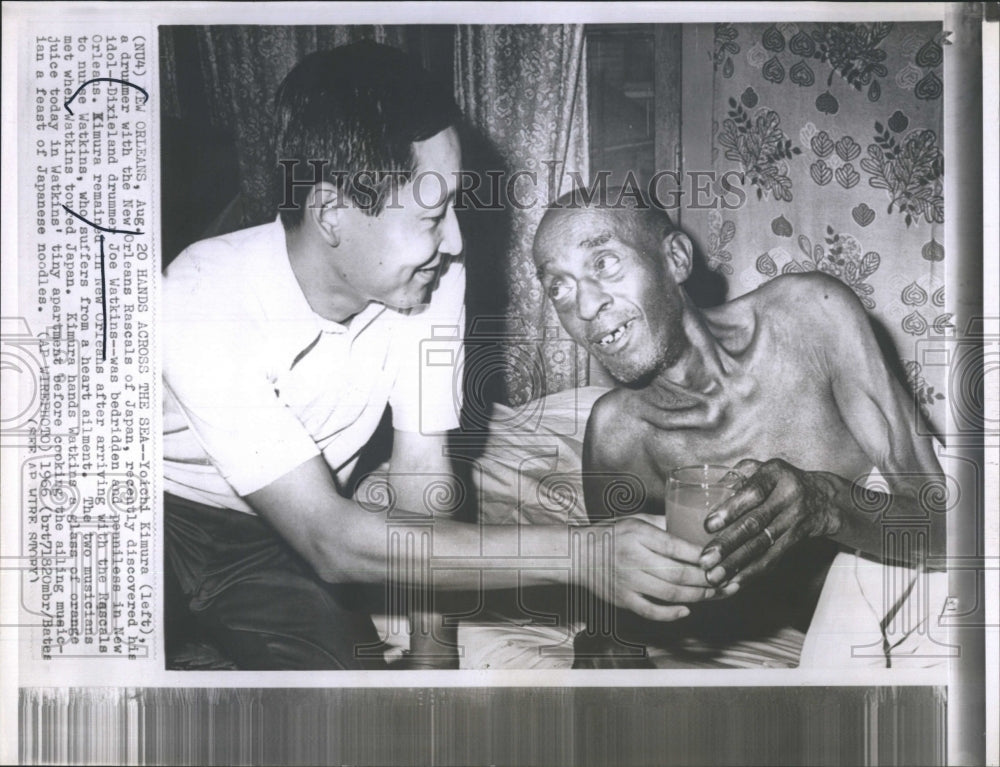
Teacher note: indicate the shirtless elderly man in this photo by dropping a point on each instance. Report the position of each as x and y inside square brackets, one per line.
[786, 384]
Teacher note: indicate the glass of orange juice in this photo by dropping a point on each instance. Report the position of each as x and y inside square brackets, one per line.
[692, 493]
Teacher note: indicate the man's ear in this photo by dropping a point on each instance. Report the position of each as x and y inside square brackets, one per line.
[678, 253]
[325, 209]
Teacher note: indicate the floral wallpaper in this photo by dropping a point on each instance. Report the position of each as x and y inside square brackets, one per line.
[837, 130]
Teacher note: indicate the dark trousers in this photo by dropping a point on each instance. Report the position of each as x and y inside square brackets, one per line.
[260, 602]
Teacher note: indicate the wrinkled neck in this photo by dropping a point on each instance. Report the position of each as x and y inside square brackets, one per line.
[701, 370]
[703, 360]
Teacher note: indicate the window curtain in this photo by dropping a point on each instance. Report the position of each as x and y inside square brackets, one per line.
[238, 72]
[838, 130]
[523, 90]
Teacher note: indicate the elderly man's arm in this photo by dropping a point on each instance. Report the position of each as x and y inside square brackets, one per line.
[781, 504]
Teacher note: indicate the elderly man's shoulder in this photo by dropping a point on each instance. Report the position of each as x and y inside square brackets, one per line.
[805, 292]
[811, 302]
[614, 419]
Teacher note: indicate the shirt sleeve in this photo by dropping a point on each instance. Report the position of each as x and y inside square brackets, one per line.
[427, 395]
[214, 369]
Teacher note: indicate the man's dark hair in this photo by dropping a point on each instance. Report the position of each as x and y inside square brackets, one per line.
[358, 109]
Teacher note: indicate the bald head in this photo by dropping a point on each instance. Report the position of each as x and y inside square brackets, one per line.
[632, 216]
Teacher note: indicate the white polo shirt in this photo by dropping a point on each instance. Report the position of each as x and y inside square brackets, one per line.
[256, 383]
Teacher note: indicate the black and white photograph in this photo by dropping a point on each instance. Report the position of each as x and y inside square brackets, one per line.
[746, 333]
[619, 386]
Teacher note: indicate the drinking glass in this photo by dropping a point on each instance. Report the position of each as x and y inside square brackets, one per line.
[692, 492]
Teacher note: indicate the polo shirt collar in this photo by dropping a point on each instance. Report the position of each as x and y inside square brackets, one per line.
[286, 307]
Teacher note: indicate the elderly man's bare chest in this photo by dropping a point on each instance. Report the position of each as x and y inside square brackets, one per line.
[773, 410]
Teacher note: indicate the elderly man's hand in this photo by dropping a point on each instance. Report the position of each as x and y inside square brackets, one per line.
[651, 567]
[775, 508]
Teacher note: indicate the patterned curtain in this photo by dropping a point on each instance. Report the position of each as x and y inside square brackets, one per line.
[838, 130]
[523, 89]
[241, 68]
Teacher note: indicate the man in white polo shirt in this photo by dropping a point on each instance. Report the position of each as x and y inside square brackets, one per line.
[283, 346]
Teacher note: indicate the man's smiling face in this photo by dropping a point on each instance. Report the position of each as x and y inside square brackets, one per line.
[612, 289]
[395, 257]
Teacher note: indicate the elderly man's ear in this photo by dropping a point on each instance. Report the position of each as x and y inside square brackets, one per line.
[677, 252]
[325, 211]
